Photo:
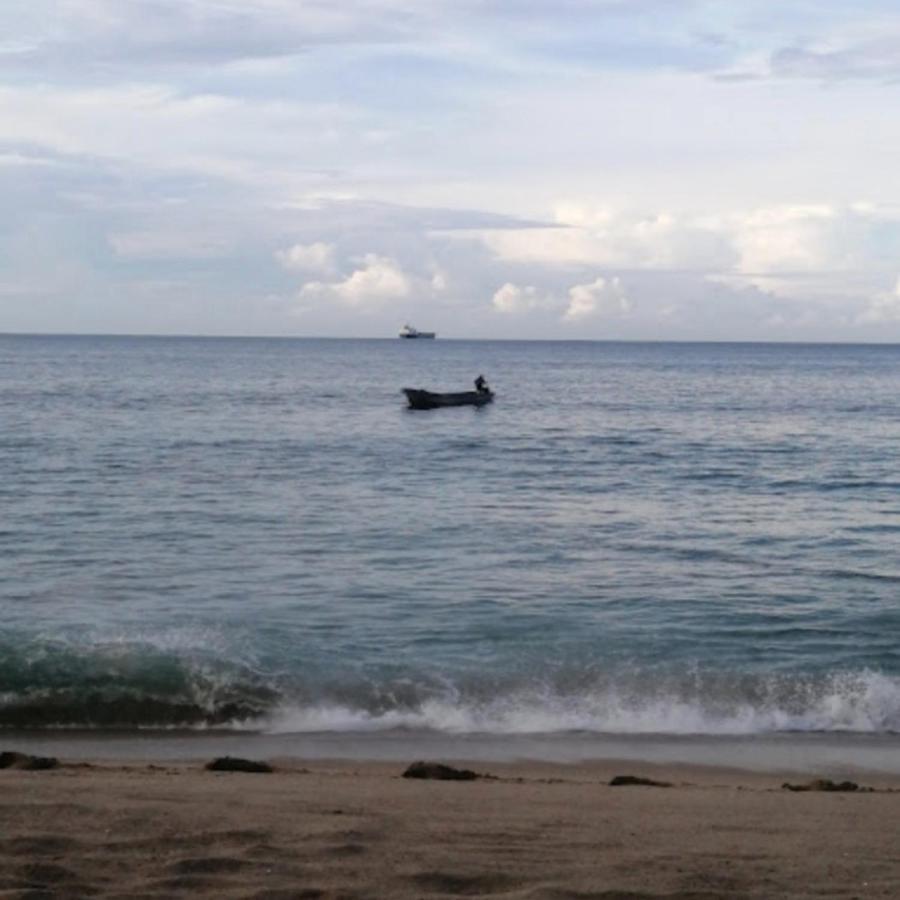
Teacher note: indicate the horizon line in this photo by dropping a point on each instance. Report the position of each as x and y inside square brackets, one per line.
[572, 340]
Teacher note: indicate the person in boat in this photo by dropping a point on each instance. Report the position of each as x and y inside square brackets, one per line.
[481, 385]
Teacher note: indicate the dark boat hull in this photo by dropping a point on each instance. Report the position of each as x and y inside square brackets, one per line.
[419, 399]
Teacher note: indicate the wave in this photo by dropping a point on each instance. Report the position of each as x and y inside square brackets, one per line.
[127, 685]
[865, 702]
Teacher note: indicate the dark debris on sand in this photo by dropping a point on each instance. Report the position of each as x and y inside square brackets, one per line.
[236, 764]
[622, 780]
[439, 772]
[9, 759]
[825, 784]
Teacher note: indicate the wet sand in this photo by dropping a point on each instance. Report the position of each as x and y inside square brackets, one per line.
[357, 830]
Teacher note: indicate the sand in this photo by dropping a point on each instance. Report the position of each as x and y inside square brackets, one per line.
[358, 830]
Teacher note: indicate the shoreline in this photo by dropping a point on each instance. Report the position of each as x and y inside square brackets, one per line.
[827, 754]
[356, 830]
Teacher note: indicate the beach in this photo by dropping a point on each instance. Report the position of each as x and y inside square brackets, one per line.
[357, 829]
[590, 595]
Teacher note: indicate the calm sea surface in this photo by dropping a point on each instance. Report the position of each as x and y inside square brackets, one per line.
[635, 538]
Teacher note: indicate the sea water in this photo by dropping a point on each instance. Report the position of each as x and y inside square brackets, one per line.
[257, 534]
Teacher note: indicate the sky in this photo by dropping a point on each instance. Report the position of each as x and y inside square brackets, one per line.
[561, 169]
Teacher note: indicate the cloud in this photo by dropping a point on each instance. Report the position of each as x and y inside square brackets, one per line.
[608, 33]
[16, 159]
[146, 32]
[784, 238]
[316, 257]
[876, 58]
[782, 249]
[513, 299]
[884, 307]
[604, 237]
[166, 129]
[377, 281]
[817, 250]
[170, 245]
[602, 297]
[841, 45]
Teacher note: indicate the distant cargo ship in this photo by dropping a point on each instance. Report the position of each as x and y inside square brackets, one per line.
[407, 331]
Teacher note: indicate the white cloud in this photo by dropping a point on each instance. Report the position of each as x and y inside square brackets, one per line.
[810, 251]
[315, 257]
[866, 50]
[604, 237]
[147, 32]
[602, 297]
[883, 307]
[378, 280]
[17, 159]
[268, 144]
[144, 32]
[512, 299]
[784, 249]
[170, 245]
[784, 238]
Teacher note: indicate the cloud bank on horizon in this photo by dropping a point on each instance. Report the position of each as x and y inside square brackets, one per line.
[622, 169]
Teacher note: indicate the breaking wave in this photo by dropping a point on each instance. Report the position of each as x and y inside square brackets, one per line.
[141, 686]
[864, 703]
[126, 685]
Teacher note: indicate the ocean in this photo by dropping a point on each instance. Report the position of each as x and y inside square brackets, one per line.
[255, 537]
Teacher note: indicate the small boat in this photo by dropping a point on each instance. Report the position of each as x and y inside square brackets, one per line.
[407, 331]
[419, 399]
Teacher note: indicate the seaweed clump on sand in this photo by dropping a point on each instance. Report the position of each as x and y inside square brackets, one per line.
[623, 780]
[9, 759]
[236, 764]
[439, 772]
[824, 784]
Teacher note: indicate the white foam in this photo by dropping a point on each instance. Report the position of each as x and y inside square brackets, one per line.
[867, 702]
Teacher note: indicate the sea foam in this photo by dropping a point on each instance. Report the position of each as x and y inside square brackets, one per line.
[866, 702]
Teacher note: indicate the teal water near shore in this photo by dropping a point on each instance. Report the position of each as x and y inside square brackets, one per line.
[634, 539]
